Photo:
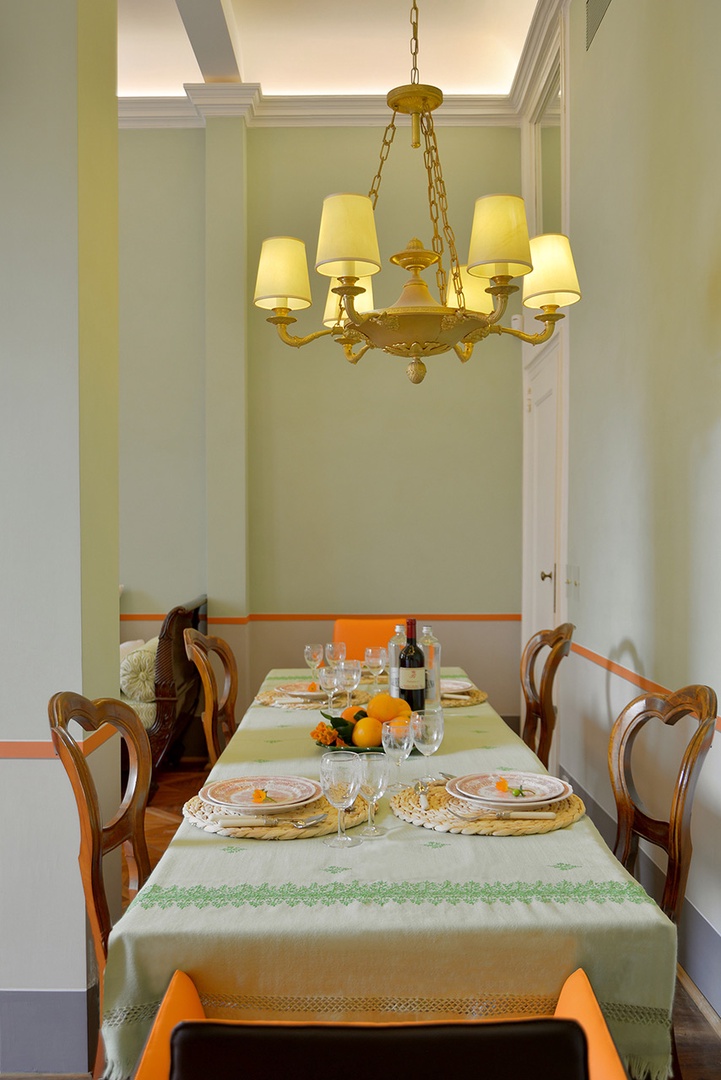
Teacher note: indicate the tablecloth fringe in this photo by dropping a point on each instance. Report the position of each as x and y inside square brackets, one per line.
[641, 1068]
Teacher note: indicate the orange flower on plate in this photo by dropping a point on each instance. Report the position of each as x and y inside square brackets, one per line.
[260, 795]
[502, 784]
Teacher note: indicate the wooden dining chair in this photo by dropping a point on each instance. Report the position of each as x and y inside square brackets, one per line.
[574, 1044]
[218, 714]
[540, 718]
[672, 835]
[360, 634]
[125, 828]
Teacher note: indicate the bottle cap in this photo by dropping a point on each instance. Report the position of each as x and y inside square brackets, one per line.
[410, 628]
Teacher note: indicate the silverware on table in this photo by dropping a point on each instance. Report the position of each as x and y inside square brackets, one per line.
[505, 815]
[238, 821]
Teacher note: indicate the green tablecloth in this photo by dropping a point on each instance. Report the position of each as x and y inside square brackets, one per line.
[418, 925]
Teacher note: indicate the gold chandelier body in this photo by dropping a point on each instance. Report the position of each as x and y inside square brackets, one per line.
[417, 326]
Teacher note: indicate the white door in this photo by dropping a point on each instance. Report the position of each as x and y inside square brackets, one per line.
[541, 491]
[544, 480]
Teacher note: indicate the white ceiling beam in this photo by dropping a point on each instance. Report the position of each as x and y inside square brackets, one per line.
[207, 31]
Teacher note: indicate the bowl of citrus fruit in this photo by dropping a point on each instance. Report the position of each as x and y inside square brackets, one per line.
[359, 727]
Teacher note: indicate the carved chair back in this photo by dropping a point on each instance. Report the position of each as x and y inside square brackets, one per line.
[673, 835]
[125, 828]
[218, 709]
[540, 718]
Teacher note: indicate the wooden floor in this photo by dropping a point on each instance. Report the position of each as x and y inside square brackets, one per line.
[699, 1046]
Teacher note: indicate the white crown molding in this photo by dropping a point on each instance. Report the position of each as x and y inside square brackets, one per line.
[247, 100]
[158, 112]
[539, 64]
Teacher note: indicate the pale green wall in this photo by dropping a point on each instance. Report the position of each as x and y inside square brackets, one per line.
[367, 493]
[58, 491]
[162, 378]
[645, 403]
[551, 180]
[646, 341]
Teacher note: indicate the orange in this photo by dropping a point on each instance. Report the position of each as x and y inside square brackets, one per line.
[367, 732]
[384, 707]
[352, 712]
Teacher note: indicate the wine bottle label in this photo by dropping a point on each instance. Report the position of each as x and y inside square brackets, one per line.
[412, 678]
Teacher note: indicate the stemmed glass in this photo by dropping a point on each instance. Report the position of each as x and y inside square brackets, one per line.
[313, 658]
[397, 738]
[349, 677]
[329, 682]
[334, 653]
[427, 728]
[376, 659]
[375, 776]
[340, 779]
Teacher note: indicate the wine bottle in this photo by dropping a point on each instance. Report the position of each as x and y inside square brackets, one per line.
[395, 645]
[412, 670]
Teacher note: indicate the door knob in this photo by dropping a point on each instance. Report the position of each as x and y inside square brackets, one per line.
[545, 575]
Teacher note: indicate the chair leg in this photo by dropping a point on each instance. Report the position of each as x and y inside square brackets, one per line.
[675, 1063]
[99, 1066]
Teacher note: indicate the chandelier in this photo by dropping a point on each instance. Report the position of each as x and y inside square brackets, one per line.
[472, 298]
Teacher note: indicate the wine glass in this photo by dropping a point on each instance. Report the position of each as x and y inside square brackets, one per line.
[349, 676]
[334, 652]
[329, 681]
[427, 727]
[313, 658]
[375, 777]
[376, 659]
[340, 779]
[397, 738]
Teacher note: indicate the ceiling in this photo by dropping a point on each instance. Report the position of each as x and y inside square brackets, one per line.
[290, 48]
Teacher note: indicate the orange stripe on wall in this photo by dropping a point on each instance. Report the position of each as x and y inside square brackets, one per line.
[27, 750]
[243, 620]
[332, 616]
[647, 685]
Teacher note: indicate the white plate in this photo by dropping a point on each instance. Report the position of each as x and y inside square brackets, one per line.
[286, 793]
[480, 788]
[300, 690]
[455, 686]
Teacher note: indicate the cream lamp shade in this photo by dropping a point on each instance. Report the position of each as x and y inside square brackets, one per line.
[474, 293]
[347, 241]
[499, 238]
[282, 280]
[553, 279]
[362, 303]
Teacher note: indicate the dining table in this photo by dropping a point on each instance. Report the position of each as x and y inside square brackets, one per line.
[434, 920]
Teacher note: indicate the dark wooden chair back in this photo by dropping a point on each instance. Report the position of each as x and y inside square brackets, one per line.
[540, 718]
[673, 835]
[557, 1049]
[125, 828]
[218, 709]
[177, 686]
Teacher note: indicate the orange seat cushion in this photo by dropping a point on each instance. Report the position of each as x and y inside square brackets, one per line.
[360, 634]
[577, 1001]
[181, 1002]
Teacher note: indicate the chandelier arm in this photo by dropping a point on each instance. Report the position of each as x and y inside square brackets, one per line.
[354, 317]
[352, 357]
[464, 352]
[550, 317]
[500, 303]
[281, 323]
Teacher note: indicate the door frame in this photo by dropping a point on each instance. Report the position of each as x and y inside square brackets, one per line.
[550, 76]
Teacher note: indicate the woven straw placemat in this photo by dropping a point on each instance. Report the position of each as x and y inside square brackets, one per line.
[470, 697]
[279, 700]
[407, 806]
[198, 812]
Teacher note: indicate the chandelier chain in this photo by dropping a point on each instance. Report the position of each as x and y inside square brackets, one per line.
[438, 206]
[388, 136]
[414, 43]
